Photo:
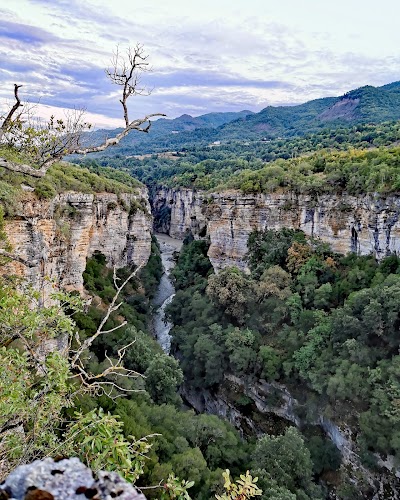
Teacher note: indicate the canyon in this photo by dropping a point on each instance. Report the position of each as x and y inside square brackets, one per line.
[367, 224]
[57, 236]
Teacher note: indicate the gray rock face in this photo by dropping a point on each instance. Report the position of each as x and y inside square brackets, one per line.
[381, 485]
[366, 224]
[67, 479]
[58, 235]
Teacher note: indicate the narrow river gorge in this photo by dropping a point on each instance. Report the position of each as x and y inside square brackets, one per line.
[166, 290]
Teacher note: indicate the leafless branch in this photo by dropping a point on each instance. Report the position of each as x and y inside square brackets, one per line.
[125, 71]
[49, 142]
[8, 119]
[101, 382]
[156, 486]
[111, 308]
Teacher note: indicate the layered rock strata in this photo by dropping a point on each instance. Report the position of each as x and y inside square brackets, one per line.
[365, 224]
[57, 236]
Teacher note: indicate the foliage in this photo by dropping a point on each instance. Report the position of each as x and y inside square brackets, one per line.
[326, 322]
[41, 140]
[286, 461]
[163, 376]
[61, 177]
[325, 161]
[230, 290]
[35, 381]
[192, 264]
[324, 454]
[150, 275]
[270, 247]
[97, 439]
[243, 488]
[175, 488]
[192, 447]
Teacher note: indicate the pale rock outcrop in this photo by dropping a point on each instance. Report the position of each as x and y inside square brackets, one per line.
[365, 224]
[179, 211]
[58, 235]
[66, 479]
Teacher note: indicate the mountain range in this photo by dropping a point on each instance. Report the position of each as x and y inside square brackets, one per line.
[366, 104]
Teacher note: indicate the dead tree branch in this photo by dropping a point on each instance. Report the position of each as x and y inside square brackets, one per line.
[49, 142]
[125, 71]
[112, 141]
[115, 368]
[8, 119]
[26, 169]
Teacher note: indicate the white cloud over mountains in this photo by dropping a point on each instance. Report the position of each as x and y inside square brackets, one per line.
[206, 56]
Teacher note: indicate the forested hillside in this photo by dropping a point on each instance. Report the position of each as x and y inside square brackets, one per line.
[366, 105]
[165, 130]
[353, 160]
[324, 325]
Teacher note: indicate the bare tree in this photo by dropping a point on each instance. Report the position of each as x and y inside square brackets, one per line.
[102, 383]
[47, 143]
[8, 119]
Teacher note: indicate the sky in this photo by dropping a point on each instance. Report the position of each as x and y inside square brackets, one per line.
[206, 56]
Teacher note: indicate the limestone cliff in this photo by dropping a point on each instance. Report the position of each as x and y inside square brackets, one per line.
[58, 235]
[364, 224]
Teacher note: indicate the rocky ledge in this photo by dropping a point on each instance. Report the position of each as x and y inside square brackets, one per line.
[66, 479]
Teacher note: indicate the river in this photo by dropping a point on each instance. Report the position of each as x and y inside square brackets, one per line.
[166, 290]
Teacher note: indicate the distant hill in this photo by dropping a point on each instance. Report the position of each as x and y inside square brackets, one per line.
[364, 105]
[187, 123]
[165, 127]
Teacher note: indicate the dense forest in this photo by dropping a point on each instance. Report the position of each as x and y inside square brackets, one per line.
[323, 324]
[355, 160]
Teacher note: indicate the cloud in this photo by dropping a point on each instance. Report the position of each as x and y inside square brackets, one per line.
[76, 9]
[194, 78]
[206, 57]
[26, 34]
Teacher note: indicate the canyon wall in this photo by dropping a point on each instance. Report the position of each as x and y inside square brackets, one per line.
[278, 409]
[57, 236]
[364, 224]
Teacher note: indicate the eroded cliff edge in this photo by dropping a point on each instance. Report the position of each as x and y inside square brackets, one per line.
[365, 224]
[58, 235]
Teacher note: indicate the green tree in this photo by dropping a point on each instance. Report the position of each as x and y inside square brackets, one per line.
[35, 380]
[97, 439]
[230, 289]
[286, 460]
[268, 248]
[271, 362]
[241, 346]
[163, 376]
